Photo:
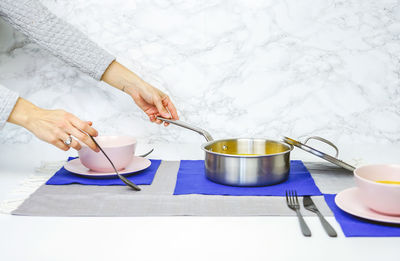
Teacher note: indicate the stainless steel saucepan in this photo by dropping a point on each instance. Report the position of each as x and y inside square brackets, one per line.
[243, 161]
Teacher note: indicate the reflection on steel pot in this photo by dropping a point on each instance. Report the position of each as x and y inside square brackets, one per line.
[247, 162]
[243, 162]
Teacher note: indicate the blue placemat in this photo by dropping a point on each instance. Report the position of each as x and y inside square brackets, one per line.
[64, 177]
[353, 226]
[192, 180]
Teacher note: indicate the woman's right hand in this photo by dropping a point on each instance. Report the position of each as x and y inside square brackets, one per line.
[150, 99]
[53, 126]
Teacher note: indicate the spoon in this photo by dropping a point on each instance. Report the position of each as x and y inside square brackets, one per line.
[125, 180]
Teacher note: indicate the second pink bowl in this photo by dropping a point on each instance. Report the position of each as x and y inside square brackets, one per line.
[383, 198]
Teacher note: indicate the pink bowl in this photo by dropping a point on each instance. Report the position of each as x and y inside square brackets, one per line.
[383, 198]
[120, 149]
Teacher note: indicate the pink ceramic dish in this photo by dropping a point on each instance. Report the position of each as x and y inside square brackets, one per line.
[383, 198]
[349, 200]
[137, 164]
[119, 149]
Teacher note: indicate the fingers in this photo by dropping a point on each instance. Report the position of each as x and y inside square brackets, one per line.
[74, 143]
[155, 103]
[161, 109]
[83, 137]
[80, 129]
[157, 120]
[166, 110]
[160, 121]
[152, 117]
[84, 126]
[171, 108]
[56, 141]
[60, 144]
[56, 126]
[152, 113]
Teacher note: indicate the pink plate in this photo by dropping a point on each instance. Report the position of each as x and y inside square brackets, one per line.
[349, 201]
[137, 164]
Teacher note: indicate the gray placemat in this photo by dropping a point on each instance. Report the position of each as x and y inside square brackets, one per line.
[158, 199]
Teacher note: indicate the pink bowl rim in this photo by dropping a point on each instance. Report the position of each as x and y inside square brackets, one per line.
[132, 142]
[374, 182]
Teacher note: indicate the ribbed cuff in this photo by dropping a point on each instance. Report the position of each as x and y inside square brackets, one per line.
[8, 99]
[102, 66]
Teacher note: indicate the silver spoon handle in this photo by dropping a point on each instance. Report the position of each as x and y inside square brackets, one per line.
[125, 180]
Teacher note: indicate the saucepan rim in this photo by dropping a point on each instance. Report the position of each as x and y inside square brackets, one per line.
[288, 146]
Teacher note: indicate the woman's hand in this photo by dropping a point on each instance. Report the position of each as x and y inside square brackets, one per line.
[153, 102]
[150, 99]
[53, 126]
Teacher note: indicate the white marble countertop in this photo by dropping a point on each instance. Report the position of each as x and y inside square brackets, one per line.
[174, 238]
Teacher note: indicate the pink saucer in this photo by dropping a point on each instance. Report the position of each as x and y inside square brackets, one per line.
[137, 164]
[349, 201]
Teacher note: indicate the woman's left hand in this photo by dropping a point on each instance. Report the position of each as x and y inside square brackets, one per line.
[150, 99]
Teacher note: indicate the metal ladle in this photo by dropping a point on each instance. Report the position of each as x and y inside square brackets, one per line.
[125, 180]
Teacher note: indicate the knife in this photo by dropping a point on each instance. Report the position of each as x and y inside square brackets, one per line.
[309, 205]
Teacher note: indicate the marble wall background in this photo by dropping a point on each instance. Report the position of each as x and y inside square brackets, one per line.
[235, 68]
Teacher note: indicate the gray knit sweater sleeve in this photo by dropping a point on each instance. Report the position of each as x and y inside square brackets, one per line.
[60, 38]
[7, 101]
[55, 35]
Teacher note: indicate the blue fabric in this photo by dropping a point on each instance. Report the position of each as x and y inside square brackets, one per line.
[353, 226]
[192, 180]
[144, 177]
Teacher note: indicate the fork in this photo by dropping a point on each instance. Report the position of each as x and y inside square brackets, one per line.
[293, 203]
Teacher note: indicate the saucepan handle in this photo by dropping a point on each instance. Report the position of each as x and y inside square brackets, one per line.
[185, 125]
[324, 141]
